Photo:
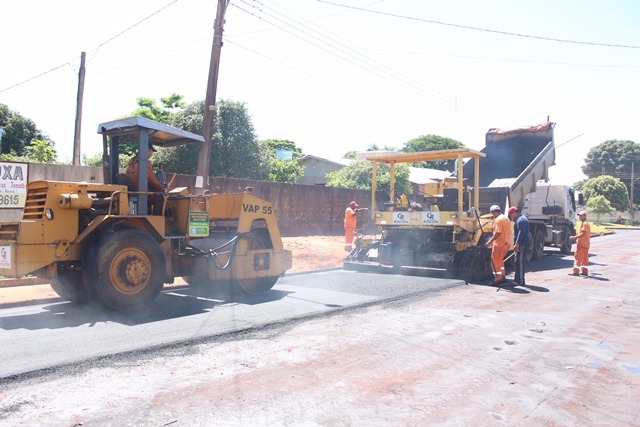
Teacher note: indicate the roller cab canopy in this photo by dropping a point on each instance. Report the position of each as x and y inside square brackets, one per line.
[144, 131]
[159, 134]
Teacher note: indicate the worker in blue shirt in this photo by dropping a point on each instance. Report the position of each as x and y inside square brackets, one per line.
[521, 240]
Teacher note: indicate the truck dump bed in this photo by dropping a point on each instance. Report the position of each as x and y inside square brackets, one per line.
[515, 161]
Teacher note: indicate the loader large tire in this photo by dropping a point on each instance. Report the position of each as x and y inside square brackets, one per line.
[129, 271]
[70, 286]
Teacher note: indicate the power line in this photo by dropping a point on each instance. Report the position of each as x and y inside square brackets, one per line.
[35, 77]
[94, 50]
[134, 25]
[488, 30]
[357, 58]
[566, 142]
[393, 72]
[526, 61]
[274, 60]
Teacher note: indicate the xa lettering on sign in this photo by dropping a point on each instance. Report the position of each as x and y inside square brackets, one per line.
[8, 174]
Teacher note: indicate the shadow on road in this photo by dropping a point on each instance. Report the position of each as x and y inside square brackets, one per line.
[171, 304]
[552, 260]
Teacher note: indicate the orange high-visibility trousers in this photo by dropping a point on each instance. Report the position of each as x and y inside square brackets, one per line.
[581, 260]
[348, 234]
[497, 258]
[350, 223]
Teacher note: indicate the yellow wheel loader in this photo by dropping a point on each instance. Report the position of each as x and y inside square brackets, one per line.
[103, 241]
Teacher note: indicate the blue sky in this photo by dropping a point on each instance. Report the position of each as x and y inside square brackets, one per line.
[337, 75]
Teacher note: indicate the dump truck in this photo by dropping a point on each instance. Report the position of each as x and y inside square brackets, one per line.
[445, 231]
[514, 172]
[102, 241]
[551, 211]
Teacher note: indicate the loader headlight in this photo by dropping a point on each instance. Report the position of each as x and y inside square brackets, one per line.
[48, 213]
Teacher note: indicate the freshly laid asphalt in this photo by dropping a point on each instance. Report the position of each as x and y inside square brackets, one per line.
[351, 349]
[38, 336]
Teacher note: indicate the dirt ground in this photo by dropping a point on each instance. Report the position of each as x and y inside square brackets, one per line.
[315, 252]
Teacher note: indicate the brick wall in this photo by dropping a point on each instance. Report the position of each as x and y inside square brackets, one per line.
[301, 209]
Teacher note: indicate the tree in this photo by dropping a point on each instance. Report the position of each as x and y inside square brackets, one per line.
[283, 169]
[610, 188]
[349, 155]
[599, 206]
[432, 143]
[613, 157]
[235, 150]
[359, 176]
[579, 184]
[41, 151]
[285, 145]
[352, 154]
[149, 108]
[19, 133]
[96, 159]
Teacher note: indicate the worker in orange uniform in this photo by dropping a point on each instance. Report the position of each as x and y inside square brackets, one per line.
[499, 244]
[350, 224]
[583, 241]
[153, 183]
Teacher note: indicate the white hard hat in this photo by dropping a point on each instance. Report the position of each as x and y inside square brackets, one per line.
[494, 208]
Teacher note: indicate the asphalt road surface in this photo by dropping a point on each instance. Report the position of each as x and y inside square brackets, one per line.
[342, 348]
[45, 336]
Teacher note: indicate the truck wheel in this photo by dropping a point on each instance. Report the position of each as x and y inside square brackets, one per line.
[528, 252]
[129, 271]
[565, 248]
[538, 245]
[70, 286]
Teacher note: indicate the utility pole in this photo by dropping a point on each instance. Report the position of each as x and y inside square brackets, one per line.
[210, 99]
[76, 137]
[633, 182]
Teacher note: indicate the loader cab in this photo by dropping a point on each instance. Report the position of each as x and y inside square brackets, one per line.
[144, 131]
